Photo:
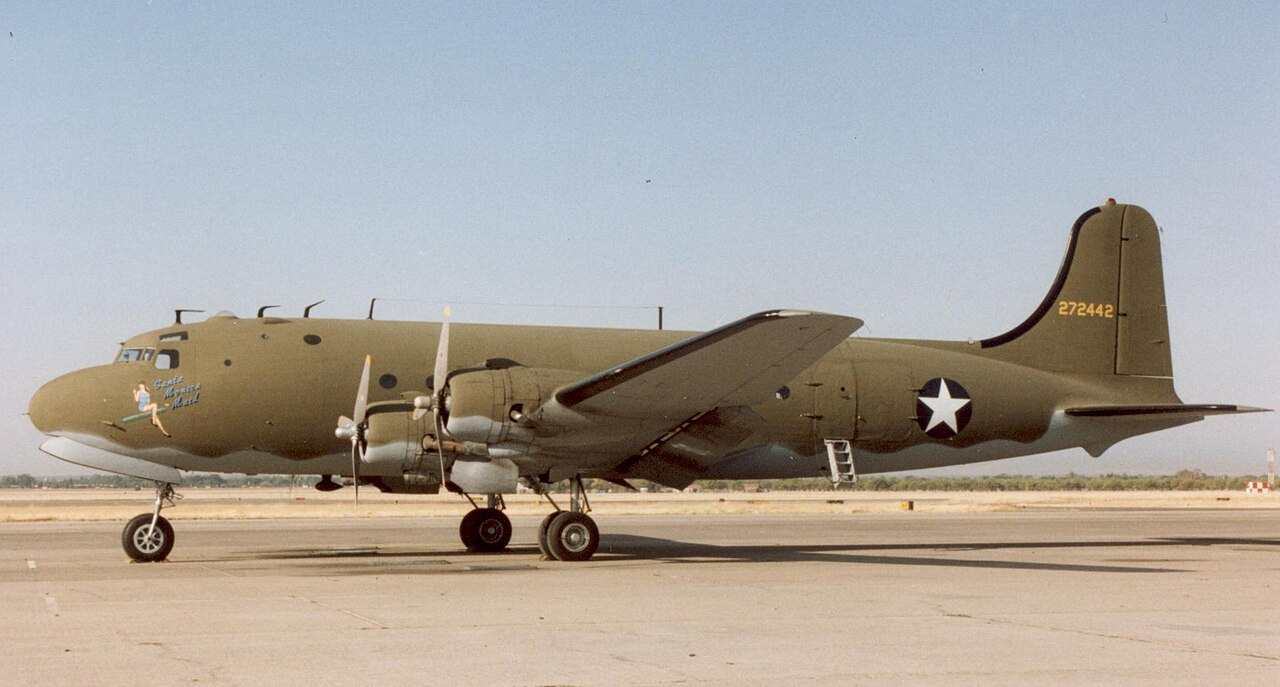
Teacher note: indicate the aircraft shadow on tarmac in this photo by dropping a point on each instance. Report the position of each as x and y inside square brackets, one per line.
[633, 548]
[654, 548]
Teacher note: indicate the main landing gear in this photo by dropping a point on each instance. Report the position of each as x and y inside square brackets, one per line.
[485, 530]
[564, 535]
[149, 537]
[569, 535]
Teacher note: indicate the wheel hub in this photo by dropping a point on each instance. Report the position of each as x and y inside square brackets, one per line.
[148, 539]
[491, 531]
[575, 537]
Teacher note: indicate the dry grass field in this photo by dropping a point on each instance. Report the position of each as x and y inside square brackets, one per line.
[87, 505]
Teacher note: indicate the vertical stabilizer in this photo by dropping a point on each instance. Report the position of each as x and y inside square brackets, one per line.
[1105, 312]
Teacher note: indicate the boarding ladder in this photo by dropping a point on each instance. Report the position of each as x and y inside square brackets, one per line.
[840, 453]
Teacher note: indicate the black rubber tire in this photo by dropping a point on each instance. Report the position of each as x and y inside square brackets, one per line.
[572, 537]
[143, 548]
[542, 535]
[467, 529]
[485, 530]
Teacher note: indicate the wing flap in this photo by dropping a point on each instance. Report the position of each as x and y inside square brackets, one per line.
[683, 455]
[739, 364]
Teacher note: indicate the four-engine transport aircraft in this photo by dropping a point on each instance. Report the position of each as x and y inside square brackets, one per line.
[482, 408]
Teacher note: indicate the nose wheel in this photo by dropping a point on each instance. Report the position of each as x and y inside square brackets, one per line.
[146, 542]
[148, 537]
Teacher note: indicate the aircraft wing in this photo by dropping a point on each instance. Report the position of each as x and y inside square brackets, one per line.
[739, 364]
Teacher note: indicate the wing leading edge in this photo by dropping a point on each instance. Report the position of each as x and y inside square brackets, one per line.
[741, 363]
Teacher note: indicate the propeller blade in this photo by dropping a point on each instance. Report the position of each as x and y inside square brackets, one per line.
[441, 378]
[442, 359]
[362, 395]
[440, 446]
[355, 468]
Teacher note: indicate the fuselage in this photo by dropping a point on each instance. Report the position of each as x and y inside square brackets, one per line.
[261, 396]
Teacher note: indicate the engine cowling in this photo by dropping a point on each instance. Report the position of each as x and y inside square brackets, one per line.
[495, 407]
[393, 440]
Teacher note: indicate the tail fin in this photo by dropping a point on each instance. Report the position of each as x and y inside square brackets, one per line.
[1105, 313]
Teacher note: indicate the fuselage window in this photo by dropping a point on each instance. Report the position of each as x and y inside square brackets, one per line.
[167, 359]
[129, 355]
[174, 336]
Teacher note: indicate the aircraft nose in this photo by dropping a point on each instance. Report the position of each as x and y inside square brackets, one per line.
[48, 406]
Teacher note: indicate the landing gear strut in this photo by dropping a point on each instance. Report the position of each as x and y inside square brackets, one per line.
[485, 530]
[148, 537]
[570, 535]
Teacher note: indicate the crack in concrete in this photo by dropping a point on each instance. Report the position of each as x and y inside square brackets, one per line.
[219, 571]
[353, 614]
[212, 671]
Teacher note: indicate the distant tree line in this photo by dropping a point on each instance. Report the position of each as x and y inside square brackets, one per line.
[1183, 480]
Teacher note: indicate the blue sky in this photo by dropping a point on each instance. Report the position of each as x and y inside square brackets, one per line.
[917, 166]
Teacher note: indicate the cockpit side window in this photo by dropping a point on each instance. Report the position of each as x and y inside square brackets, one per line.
[167, 359]
[148, 354]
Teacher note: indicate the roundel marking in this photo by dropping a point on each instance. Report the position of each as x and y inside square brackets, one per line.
[943, 408]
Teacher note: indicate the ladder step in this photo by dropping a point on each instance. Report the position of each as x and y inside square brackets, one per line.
[840, 455]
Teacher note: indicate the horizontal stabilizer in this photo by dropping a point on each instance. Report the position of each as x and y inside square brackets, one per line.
[1182, 409]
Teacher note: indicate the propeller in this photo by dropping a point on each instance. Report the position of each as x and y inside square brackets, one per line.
[436, 402]
[353, 428]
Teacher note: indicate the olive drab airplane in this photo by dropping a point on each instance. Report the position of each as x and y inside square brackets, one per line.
[481, 409]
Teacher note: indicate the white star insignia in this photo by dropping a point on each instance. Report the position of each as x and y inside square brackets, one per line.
[944, 408]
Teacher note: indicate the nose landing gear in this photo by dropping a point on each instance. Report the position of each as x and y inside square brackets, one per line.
[148, 537]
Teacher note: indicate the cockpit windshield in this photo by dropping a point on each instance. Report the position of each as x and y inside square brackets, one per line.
[133, 355]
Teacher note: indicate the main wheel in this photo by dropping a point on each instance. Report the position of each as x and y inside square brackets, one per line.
[147, 544]
[485, 530]
[542, 534]
[572, 537]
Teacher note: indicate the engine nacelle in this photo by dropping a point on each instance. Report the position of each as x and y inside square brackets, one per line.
[393, 440]
[500, 406]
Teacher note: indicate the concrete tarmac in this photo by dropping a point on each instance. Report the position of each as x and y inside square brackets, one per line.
[1110, 597]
